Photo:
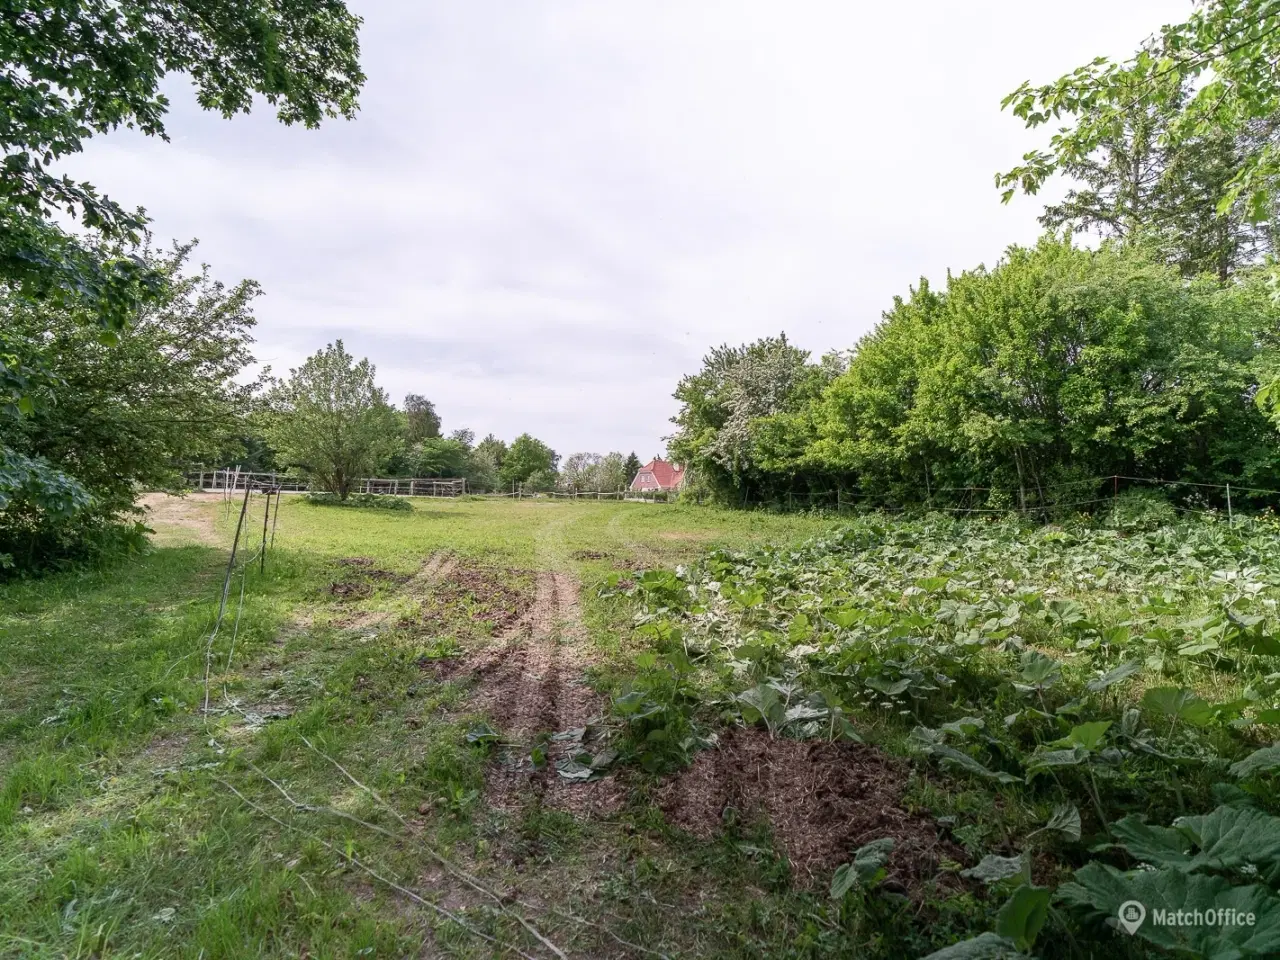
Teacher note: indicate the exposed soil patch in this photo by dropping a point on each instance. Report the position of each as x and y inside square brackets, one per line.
[589, 555]
[822, 800]
[361, 577]
[350, 590]
[532, 682]
[182, 518]
[485, 595]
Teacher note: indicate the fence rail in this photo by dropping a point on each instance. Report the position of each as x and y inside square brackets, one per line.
[229, 481]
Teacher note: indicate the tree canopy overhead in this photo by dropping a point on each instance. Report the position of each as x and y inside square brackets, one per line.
[1213, 75]
[72, 69]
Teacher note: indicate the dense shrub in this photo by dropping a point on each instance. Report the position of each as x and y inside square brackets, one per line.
[105, 419]
[1056, 365]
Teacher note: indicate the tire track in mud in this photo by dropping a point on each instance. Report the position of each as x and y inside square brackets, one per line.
[437, 567]
[530, 682]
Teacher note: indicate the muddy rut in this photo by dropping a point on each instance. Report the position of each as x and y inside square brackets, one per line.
[530, 681]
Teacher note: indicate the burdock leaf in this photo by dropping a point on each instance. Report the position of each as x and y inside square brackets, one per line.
[1260, 761]
[986, 946]
[1065, 819]
[993, 868]
[1100, 889]
[1114, 676]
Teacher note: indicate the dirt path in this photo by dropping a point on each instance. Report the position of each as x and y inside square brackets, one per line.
[179, 520]
[531, 681]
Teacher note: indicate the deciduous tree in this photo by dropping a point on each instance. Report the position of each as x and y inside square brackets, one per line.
[332, 420]
[1213, 74]
[421, 420]
[73, 69]
[114, 418]
[526, 457]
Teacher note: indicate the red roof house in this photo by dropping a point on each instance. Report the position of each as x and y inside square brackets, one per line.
[658, 475]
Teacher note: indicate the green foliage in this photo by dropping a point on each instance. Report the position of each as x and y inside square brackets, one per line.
[722, 406]
[1023, 914]
[866, 870]
[438, 457]
[1100, 889]
[421, 420]
[986, 946]
[1146, 183]
[994, 868]
[955, 642]
[1230, 839]
[1194, 84]
[74, 70]
[590, 472]
[331, 420]
[114, 418]
[529, 460]
[1057, 365]
[1262, 760]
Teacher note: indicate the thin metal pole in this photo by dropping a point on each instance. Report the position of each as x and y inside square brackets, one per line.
[1230, 519]
[266, 513]
[226, 584]
[275, 518]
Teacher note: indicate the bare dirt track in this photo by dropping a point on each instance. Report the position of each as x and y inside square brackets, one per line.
[182, 519]
[531, 681]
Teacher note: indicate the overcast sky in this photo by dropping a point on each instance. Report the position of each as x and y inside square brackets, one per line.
[547, 212]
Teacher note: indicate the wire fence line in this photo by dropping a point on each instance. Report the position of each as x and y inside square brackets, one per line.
[234, 480]
[1043, 501]
[502, 903]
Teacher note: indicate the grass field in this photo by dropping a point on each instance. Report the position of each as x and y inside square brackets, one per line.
[495, 728]
[133, 823]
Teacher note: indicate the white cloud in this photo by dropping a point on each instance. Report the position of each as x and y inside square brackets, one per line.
[547, 212]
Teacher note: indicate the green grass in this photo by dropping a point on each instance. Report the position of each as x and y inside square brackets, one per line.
[121, 833]
[133, 823]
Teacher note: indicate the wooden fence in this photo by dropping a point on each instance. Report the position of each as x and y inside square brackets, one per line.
[229, 481]
[226, 481]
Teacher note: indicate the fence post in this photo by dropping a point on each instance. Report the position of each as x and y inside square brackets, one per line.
[1230, 519]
